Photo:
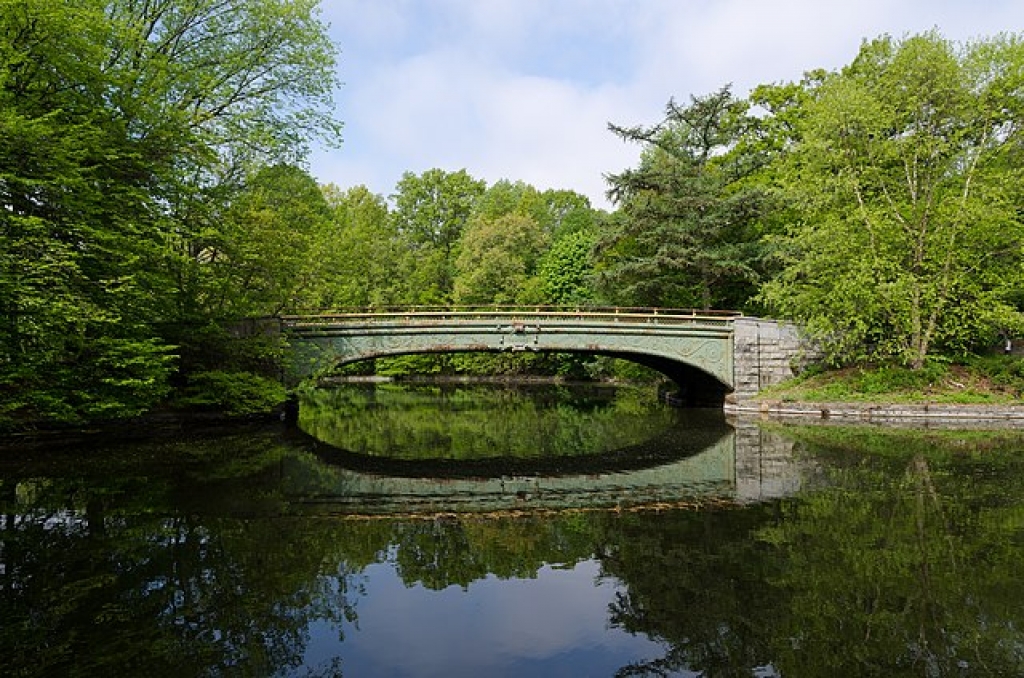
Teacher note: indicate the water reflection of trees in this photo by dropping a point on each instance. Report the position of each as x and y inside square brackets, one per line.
[475, 421]
[910, 564]
[136, 565]
[906, 564]
[695, 581]
[121, 569]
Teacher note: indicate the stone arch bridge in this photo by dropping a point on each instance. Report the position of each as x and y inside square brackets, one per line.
[709, 354]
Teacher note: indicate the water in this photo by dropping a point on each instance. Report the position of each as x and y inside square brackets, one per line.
[681, 545]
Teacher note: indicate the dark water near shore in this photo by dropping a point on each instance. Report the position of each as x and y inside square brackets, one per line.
[499, 531]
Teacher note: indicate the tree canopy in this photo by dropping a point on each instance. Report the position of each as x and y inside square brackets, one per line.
[125, 128]
[688, 232]
[905, 173]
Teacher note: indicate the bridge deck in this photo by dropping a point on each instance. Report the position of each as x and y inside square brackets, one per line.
[471, 315]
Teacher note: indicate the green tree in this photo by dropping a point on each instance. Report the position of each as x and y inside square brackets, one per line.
[497, 259]
[361, 252]
[246, 79]
[431, 211]
[509, 238]
[125, 127]
[688, 227]
[77, 240]
[567, 212]
[555, 211]
[907, 177]
[268, 255]
[566, 270]
[272, 258]
[505, 197]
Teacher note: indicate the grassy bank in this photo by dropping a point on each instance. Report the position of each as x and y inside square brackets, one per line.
[980, 380]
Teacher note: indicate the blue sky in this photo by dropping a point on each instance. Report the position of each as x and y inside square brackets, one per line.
[525, 89]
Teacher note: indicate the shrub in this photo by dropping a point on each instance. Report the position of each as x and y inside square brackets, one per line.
[235, 393]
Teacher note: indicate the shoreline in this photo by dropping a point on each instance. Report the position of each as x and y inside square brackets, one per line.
[921, 414]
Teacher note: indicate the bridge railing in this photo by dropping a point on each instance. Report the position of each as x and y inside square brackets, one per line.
[441, 314]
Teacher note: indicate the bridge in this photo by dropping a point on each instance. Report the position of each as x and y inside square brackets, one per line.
[709, 354]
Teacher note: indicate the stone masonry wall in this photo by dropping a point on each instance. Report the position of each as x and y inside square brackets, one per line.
[765, 352]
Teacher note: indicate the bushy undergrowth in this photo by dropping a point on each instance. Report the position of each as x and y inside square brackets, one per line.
[233, 393]
[1004, 371]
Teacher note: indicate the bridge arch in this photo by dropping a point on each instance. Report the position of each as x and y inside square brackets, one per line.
[694, 349]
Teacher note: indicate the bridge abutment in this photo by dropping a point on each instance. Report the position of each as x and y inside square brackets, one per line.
[765, 353]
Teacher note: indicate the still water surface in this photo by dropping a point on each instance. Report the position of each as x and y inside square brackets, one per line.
[498, 531]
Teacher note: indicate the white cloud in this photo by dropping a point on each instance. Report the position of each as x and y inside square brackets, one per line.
[524, 89]
[501, 623]
[553, 134]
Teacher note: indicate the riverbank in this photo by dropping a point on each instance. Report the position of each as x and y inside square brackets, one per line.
[926, 413]
[986, 391]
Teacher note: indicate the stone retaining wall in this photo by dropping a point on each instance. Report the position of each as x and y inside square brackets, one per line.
[765, 353]
[911, 414]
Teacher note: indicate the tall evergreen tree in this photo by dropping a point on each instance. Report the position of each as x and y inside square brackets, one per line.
[688, 221]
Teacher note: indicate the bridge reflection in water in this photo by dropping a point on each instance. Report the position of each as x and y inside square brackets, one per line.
[738, 463]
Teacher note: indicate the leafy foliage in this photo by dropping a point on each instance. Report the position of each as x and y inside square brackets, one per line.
[431, 213]
[234, 393]
[566, 270]
[361, 252]
[909, 235]
[125, 128]
[496, 260]
[273, 235]
[996, 379]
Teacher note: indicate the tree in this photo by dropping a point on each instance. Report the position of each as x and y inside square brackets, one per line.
[77, 241]
[688, 222]
[567, 212]
[555, 211]
[907, 176]
[431, 212]
[248, 79]
[235, 85]
[125, 128]
[361, 253]
[505, 197]
[272, 257]
[497, 259]
[566, 270]
[509, 239]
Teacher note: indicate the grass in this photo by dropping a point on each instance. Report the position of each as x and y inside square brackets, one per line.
[997, 380]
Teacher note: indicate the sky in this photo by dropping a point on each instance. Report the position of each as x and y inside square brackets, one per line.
[524, 90]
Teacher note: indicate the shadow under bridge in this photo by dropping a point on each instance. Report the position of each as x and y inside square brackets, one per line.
[693, 348]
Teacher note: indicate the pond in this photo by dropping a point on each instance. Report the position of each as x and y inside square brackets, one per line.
[470, 530]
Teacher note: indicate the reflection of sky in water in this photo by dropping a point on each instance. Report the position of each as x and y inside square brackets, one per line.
[554, 625]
